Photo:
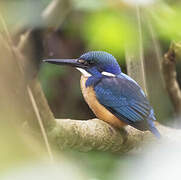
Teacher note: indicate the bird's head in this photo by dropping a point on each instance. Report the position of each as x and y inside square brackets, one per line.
[94, 63]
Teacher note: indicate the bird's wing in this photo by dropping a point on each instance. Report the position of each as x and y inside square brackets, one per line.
[123, 97]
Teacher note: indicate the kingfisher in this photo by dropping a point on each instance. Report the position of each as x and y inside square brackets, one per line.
[113, 96]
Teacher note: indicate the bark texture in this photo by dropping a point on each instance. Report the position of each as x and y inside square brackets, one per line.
[95, 134]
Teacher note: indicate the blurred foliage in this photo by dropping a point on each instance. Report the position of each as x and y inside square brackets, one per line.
[13, 146]
[99, 165]
[22, 12]
[167, 21]
[108, 30]
[89, 4]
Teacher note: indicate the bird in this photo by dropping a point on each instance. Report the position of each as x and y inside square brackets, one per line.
[113, 96]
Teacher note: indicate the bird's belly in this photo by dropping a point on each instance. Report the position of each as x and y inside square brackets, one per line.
[99, 110]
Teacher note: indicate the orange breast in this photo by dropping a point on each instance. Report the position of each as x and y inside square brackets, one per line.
[99, 110]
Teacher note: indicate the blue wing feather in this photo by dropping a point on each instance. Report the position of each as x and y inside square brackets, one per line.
[126, 100]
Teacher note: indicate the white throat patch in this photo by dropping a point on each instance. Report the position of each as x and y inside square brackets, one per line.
[84, 72]
[107, 74]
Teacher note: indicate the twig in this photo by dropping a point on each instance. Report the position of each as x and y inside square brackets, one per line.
[134, 54]
[141, 51]
[40, 123]
[170, 76]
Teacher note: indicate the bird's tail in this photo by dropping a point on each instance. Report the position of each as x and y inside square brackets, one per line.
[155, 131]
[151, 124]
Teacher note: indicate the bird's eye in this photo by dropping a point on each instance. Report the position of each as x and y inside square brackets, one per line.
[81, 61]
[85, 62]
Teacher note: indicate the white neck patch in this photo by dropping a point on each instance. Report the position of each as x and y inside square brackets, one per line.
[107, 74]
[84, 72]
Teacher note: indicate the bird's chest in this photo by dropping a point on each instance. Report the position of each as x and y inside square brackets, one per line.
[99, 110]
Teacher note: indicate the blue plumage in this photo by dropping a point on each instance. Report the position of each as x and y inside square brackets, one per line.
[125, 100]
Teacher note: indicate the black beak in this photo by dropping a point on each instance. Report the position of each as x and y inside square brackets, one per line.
[68, 62]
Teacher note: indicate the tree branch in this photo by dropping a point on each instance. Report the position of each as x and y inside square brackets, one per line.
[95, 134]
[170, 75]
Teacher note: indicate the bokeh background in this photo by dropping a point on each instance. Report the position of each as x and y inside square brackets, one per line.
[81, 26]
